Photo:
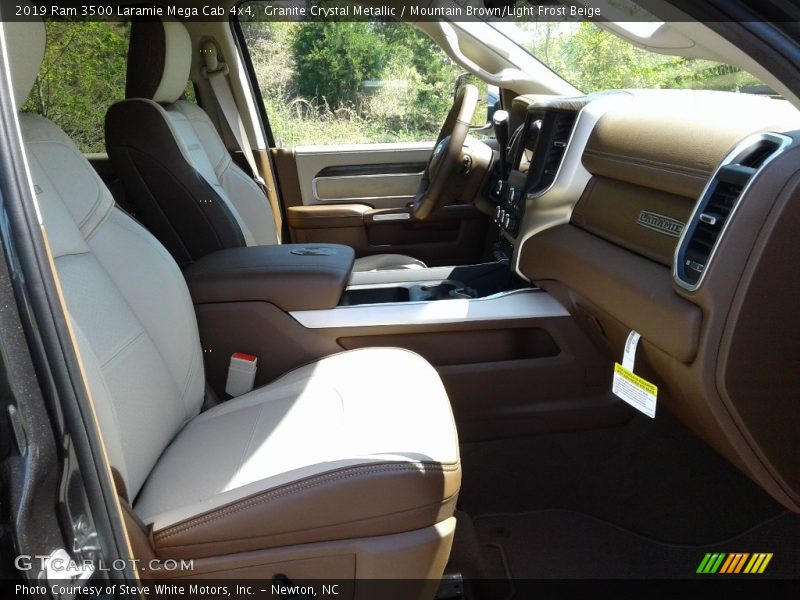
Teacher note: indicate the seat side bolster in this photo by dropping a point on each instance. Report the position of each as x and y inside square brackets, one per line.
[354, 502]
[169, 195]
[246, 197]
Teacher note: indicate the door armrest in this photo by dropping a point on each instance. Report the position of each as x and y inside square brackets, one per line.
[324, 216]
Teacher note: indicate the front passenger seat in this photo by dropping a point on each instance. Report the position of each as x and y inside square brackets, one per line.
[176, 170]
[344, 468]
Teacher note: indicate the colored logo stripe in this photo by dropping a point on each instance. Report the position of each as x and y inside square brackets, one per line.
[758, 563]
[734, 563]
[711, 563]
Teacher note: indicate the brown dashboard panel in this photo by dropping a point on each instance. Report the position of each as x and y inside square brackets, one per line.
[759, 359]
[739, 385]
[672, 140]
[762, 372]
[634, 290]
[643, 220]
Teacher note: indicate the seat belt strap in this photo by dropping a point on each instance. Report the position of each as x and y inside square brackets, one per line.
[217, 72]
[218, 78]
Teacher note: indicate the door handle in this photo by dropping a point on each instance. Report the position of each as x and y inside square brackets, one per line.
[399, 216]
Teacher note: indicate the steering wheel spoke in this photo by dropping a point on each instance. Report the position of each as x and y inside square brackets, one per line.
[446, 155]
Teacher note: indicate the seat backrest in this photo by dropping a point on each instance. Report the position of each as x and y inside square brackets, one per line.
[177, 173]
[127, 302]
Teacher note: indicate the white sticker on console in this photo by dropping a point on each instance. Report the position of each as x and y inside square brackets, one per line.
[638, 392]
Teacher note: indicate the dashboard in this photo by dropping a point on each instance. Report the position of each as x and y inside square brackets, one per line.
[524, 146]
[537, 151]
[668, 212]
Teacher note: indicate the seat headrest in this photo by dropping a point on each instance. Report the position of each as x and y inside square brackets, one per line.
[25, 44]
[159, 60]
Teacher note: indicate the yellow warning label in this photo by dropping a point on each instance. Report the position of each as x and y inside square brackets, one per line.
[635, 379]
[638, 392]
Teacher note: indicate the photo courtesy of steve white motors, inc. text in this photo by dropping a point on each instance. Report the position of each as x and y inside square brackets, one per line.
[189, 590]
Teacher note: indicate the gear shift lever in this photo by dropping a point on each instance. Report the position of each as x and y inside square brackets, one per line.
[501, 134]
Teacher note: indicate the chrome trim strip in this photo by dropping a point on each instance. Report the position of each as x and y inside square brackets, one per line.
[314, 182]
[401, 216]
[553, 205]
[516, 304]
[735, 155]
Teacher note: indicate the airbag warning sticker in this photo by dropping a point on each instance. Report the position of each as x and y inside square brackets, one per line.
[638, 392]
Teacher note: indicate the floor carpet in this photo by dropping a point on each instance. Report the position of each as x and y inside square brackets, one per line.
[560, 544]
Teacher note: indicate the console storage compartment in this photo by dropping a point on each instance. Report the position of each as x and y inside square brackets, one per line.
[290, 276]
[425, 285]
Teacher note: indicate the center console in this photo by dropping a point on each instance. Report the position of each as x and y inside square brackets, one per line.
[434, 283]
[293, 303]
[532, 161]
[298, 277]
[488, 333]
[536, 156]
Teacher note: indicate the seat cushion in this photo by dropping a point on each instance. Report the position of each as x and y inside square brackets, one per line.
[387, 262]
[127, 302]
[358, 444]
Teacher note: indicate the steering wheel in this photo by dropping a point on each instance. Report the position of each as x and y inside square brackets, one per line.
[446, 153]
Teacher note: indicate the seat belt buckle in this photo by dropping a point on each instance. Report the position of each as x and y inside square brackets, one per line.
[241, 374]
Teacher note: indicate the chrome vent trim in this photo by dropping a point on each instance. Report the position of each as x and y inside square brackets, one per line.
[738, 158]
[560, 132]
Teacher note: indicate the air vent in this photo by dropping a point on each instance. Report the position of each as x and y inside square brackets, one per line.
[717, 206]
[552, 144]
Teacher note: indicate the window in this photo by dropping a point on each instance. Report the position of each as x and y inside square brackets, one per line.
[593, 59]
[347, 83]
[83, 73]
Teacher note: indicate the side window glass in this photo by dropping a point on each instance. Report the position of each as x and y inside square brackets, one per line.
[350, 83]
[83, 73]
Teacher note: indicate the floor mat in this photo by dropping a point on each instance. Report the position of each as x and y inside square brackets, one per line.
[562, 544]
[651, 476]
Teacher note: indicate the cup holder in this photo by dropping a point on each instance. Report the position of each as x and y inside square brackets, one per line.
[445, 290]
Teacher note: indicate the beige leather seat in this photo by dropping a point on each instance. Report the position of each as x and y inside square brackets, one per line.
[346, 467]
[176, 170]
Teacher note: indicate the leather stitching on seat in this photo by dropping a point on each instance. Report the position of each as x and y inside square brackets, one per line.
[265, 537]
[125, 346]
[296, 487]
[250, 438]
[96, 205]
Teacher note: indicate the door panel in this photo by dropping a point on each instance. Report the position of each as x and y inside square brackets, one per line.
[455, 235]
[352, 173]
[360, 195]
[389, 189]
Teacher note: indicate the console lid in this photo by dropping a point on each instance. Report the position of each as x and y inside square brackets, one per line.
[290, 276]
